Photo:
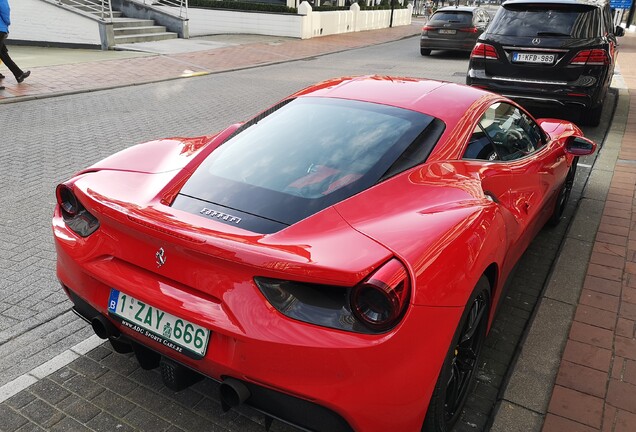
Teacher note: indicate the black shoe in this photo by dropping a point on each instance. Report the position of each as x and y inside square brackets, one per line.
[24, 76]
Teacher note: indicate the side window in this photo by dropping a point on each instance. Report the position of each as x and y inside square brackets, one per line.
[510, 132]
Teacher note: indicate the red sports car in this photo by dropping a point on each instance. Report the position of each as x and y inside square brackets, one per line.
[335, 262]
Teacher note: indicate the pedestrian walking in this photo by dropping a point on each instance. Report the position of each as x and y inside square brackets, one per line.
[428, 10]
[5, 22]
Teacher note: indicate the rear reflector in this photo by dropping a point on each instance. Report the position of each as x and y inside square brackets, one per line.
[468, 30]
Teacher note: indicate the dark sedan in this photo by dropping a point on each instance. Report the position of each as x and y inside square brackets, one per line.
[453, 28]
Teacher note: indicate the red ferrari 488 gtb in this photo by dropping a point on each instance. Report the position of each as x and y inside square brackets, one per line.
[335, 262]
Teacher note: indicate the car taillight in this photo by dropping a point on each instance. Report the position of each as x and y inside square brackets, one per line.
[592, 57]
[380, 301]
[486, 51]
[76, 217]
[468, 30]
[373, 306]
[427, 28]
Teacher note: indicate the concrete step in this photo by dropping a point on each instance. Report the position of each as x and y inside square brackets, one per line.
[131, 22]
[138, 30]
[150, 37]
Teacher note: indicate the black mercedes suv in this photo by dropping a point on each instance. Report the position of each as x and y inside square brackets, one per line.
[549, 52]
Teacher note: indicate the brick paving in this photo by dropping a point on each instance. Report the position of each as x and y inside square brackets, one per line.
[595, 388]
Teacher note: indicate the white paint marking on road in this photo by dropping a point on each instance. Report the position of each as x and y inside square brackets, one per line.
[56, 363]
[16, 386]
[584, 165]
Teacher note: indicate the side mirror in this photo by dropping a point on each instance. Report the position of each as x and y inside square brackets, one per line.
[620, 31]
[579, 146]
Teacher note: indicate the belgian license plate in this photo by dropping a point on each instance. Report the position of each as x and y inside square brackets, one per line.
[533, 58]
[447, 31]
[171, 331]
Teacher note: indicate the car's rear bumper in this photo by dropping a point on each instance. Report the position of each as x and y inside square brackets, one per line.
[350, 381]
[446, 44]
[554, 92]
[288, 408]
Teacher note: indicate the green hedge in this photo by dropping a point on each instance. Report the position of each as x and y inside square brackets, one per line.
[280, 8]
[241, 5]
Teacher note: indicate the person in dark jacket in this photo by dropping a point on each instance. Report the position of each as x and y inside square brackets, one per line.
[5, 22]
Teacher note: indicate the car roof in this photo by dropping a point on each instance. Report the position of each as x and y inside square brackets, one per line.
[597, 3]
[444, 100]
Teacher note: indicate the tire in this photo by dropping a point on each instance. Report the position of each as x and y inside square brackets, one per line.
[457, 375]
[425, 52]
[592, 116]
[564, 195]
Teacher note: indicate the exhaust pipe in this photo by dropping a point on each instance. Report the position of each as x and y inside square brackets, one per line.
[232, 393]
[104, 328]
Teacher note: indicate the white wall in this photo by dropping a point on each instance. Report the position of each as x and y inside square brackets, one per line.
[305, 25]
[36, 20]
[211, 21]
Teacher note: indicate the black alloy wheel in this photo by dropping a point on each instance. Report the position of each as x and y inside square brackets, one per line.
[456, 378]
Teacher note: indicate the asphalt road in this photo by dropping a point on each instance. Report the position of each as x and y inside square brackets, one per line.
[46, 141]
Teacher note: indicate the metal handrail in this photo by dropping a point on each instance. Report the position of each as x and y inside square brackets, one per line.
[110, 10]
[181, 4]
[102, 8]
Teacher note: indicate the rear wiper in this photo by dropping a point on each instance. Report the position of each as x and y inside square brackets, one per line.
[552, 34]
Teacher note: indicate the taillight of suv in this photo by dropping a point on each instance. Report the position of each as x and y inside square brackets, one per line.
[484, 51]
[591, 57]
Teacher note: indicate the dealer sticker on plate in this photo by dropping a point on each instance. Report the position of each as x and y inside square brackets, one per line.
[171, 331]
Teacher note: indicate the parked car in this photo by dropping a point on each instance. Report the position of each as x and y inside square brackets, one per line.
[334, 262]
[549, 53]
[453, 28]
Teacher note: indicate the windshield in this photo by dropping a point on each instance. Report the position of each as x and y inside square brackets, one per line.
[452, 17]
[308, 154]
[575, 21]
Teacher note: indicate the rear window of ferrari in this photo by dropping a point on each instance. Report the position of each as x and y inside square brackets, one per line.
[576, 21]
[311, 153]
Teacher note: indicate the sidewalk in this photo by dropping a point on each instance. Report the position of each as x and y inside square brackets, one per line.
[75, 71]
[596, 382]
[577, 366]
